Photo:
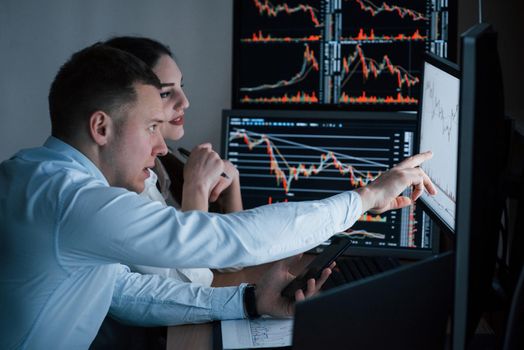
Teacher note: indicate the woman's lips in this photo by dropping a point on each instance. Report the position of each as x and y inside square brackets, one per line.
[177, 121]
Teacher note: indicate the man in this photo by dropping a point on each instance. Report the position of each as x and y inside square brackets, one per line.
[69, 221]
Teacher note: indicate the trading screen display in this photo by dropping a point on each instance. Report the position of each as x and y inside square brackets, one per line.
[343, 54]
[292, 156]
[439, 118]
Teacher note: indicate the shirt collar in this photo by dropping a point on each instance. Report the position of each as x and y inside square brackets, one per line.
[69, 151]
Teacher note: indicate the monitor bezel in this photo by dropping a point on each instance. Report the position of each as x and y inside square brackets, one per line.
[479, 207]
[453, 70]
[408, 118]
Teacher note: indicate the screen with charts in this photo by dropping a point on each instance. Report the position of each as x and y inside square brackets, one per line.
[336, 54]
[305, 155]
[439, 114]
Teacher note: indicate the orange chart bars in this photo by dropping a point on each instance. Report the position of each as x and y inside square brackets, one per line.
[284, 178]
[300, 97]
[309, 63]
[364, 99]
[362, 36]
[267, 8]
[259, 37]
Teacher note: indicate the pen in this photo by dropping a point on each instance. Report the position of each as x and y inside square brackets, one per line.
[186, 154]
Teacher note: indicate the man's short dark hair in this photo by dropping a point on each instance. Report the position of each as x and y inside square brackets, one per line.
[96, 78]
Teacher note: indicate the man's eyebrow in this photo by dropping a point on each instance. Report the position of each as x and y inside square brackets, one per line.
[163, 85]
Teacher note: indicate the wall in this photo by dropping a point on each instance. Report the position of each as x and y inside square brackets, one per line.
[36, 37]
[506, 18]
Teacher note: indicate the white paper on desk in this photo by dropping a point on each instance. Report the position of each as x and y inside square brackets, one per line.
[264, 332]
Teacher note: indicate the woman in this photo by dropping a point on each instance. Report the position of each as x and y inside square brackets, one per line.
[203, 164]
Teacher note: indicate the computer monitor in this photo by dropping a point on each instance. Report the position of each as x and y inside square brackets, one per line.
[307, 155]
[334, 54]
[438, 132]
[482, 158]
[406, 308]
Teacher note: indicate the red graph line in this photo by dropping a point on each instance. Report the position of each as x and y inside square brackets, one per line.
[308, 63]
[275, 10]
[370, 66]
[292, 173]
[368, 6]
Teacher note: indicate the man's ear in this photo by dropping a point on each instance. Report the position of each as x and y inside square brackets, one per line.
[100, 127]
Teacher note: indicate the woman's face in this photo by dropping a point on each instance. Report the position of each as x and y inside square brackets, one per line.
[173, 97]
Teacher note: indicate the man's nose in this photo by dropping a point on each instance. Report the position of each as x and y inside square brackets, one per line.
[160, 148]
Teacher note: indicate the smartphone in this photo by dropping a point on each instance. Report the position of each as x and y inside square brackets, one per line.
[338, 245]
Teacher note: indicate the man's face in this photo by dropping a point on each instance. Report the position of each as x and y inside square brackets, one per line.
[136, 141]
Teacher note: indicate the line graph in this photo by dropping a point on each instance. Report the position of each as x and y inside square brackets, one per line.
[439, 127]
[267, 8]
[370, 67]
[402, 12]
[285, 173]
[439, 132]
[282, 159]
[444, 116]
[363, 234]
[357, 63]
[309, 63]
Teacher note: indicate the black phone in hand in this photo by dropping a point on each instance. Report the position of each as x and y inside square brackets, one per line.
[338, 245]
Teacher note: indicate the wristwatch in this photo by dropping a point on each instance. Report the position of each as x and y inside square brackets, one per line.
[250, 304]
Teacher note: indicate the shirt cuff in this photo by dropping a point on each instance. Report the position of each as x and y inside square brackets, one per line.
[227, 303]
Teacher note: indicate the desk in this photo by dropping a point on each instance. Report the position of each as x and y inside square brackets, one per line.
[200, 336]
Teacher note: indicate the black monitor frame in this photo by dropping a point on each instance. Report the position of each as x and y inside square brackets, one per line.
[483, 150]
[453, 70]
[401, 117]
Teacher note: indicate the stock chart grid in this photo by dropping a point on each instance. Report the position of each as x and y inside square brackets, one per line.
[294, 158]
[335, 53]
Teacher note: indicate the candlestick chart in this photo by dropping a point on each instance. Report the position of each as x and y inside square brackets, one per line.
[358, 54]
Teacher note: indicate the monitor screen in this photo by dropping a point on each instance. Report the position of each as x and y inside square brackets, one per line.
[438, 132]
[306, 155]
[336, 54]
